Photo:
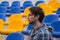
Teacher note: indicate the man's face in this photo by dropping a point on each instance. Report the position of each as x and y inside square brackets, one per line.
[31, 18]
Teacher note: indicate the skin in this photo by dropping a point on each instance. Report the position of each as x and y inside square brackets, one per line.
[34, 20]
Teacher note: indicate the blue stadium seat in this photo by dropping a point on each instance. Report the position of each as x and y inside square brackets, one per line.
[15, 4]
[3, 9]
[15, 36]
[58, 12]
[38, 2]
[56, 26]
[27, 31]
[27, 4]
[5, 3]
[49, 19]
[15, 10]
[3, 17]
[3, 13]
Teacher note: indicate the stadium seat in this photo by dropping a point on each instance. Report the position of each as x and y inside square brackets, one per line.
[24, 15]
[53, 0]
[54, 4]
[27, 4]
[3, 16]
[15, 36]
[15, 10]
[49, 19]
[1, 24]
[27, 31]
[3, 9]
[56, 26]
[58, 12]
[5, 3]
[25, 20]
[26, 11]
[13, 26]
[15, 17]
[38, 2]
[15, 4]
[42, 4]
[45, 8]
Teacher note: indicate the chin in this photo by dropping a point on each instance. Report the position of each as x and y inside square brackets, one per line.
[30, 22]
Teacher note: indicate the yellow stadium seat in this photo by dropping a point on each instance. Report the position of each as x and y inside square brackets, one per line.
[1, 24]
[26, 22]
[42, 5]
[15, 17]
[13, 26]
[46, 8]
[26, 11]
[54, 4]
[53, 0]
[24, 15]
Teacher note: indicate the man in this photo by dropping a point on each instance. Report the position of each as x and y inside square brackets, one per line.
[39, 31]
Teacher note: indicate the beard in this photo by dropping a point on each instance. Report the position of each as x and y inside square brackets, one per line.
[32, 22]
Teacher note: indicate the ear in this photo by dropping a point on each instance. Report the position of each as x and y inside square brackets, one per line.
[37, 16]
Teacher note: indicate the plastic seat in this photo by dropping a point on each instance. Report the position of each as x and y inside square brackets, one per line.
[53, 0]
[45, 8]
[38, 2]
[3, 17]
[1, 24]
[25, 20]
[49, 19]
[15, 17]
[56, 26]
[58, 12]
[28, 30]
[5, 4]
[27, 4]
[54, 4]
[26, 11]
[13, 26]
[15, 4]
[42, 4]
[15, 36]
[25, 14]
[15, 10]
[3, 9]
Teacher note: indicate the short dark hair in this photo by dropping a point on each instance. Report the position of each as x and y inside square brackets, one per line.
[37, 11]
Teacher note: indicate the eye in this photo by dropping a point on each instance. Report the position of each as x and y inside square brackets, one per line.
[30, 15]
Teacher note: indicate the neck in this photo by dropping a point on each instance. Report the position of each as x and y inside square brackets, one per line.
[36, 25]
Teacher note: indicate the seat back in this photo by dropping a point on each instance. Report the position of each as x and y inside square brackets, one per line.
[5, 3]
[15, 25]
[15, 10]
[45, 8]
[15, 17]
[30, 26]
[49, 19]
[15, 36]
[58, 12]
[54, 5]
[38, 2]
[15, 4]
[3, 9]
[27, 4]
[56, 26]
[3, 16]
[1, 24]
